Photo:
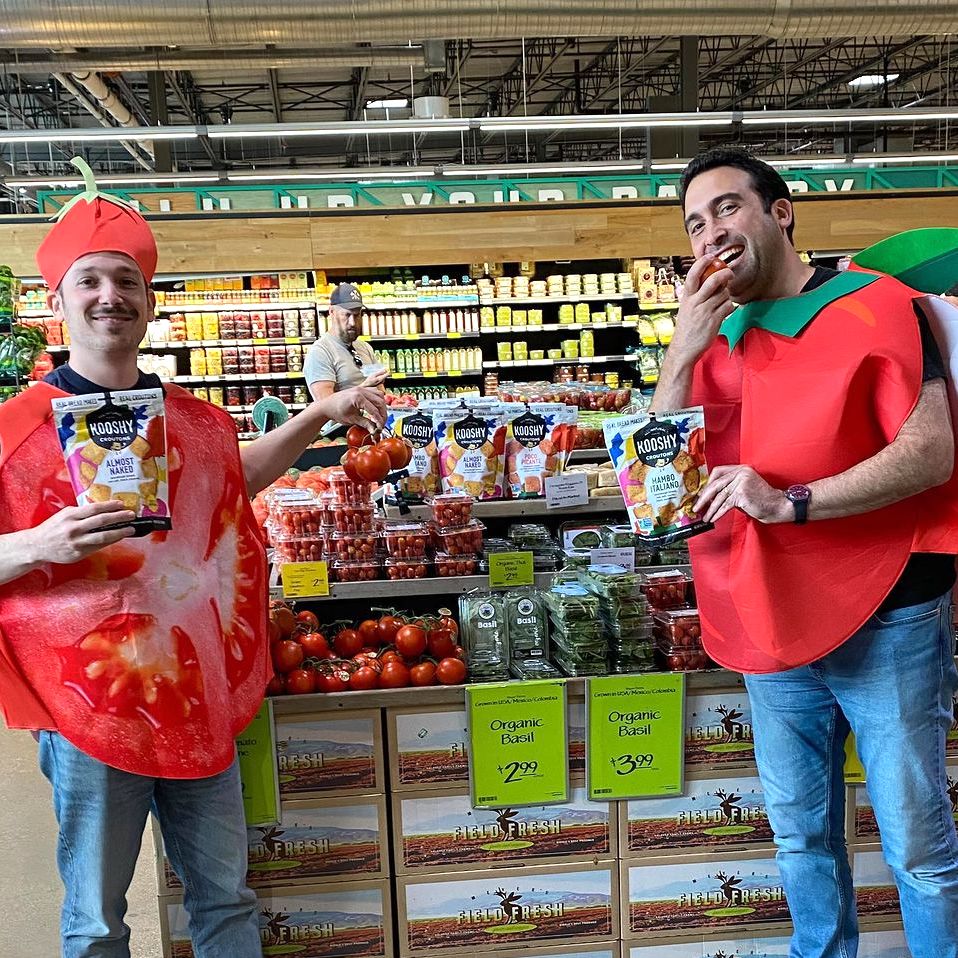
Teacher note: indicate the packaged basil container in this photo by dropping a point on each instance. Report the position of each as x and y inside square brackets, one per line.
[578, 643]
[485, 635]
[618, 537]
[527, 623]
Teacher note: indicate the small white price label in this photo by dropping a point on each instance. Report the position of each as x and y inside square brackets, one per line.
[571, 489]
[623, 557]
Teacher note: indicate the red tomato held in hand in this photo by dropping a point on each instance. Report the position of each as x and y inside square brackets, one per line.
[363, 679]
[332, 682]
[314, 645]
[398, 450]
[451, 671]
[356, 436]
[287, 655]
[395, 676]
[275, 686]
[411, 641]
[348, 462]
[388, 626]
[423, 674]
[301, 682]
[347, 643]
[372, 464]
[368, 631]
[308, 620]
[441, 643]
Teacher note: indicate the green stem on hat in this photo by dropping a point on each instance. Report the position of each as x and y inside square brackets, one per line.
[90, 191]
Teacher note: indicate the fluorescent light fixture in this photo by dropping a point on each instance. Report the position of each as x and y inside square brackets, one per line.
[805, 163]
[603, 121]
[872, 80]
[799, 117]
[68, 182]
[109, 134]
[397, 103]
[668, 165]
[235, 131]
[872, 159]
[535, 169]
[396, 173]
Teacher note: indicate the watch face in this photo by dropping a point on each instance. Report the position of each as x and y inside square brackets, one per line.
[798, 493]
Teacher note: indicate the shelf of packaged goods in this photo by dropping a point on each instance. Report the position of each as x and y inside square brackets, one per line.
[447, 374]
[657, 307]
[238, 377]
[579, 360]
[504, 508]
[24, 313]
[553, 327]
[561, 300]
[462, 303]
[391, 588]
[589, 455]
[239, 306]
[201, 343]
[455, 694]
[295, 407]
[411, 337]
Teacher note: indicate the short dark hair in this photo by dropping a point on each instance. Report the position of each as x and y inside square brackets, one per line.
[765, 180]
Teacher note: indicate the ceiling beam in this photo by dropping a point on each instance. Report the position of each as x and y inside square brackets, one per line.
[274, 93]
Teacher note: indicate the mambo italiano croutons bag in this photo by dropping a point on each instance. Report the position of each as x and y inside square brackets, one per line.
[422, 470]
[114, 445]
[659, 459]
[539, 440]
[472, 445]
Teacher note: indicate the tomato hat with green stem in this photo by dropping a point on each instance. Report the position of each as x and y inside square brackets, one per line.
[94, 222]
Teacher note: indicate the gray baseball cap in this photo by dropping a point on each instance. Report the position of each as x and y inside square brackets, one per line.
[347, 296]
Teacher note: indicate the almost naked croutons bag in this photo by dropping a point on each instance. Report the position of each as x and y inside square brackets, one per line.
[660, 461]
[471, 445]
[114, 445]
[539, 440]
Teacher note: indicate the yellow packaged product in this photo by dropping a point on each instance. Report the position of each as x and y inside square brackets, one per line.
[519, 317]
[647, 334]
[566, 314]
[664, 327]
[582, 313]
[535, 317]
[503, 315]
[487, 316]
[114, 446]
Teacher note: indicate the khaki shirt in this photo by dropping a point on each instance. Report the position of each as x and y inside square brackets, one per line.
[329, 361]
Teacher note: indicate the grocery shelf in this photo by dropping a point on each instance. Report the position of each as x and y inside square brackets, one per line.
[295, 407]
[657, 307]
[561, 300]
[498, 508]
[418, 336]
[422, 304]
[619, 358]
[230, 307]
[239, 377]
[554, 327]
[436, 375]
[394, 588]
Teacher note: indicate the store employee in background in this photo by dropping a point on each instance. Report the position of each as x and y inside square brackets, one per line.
[339, 359]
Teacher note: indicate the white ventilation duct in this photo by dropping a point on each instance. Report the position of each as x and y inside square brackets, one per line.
[430, 107]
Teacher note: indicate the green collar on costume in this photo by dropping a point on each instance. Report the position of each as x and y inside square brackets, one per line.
[789, 316]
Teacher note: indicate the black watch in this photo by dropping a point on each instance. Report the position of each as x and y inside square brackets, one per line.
[799, 496]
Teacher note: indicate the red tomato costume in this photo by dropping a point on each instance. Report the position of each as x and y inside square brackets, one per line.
[802, 389]
[149, 655]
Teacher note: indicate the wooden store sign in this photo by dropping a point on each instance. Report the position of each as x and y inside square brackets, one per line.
[447, 191]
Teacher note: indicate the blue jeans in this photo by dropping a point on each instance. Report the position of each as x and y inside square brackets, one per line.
[102, 813]
[892, 683]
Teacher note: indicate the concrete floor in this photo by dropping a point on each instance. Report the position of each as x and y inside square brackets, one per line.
[29, 885]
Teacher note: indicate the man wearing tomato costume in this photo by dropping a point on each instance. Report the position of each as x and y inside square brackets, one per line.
[827, 578]
[138, 660]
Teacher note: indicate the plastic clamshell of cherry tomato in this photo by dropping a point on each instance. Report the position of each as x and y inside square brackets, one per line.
[674, 658]
[679, 627]
[348, 492]
[353, 518]
[455, 565]
[666, 590]
[452, 509]
[406, 540]
[400, 568]
[355, 546]
[299, 549]
[298, 519]
[466, 540]
[366, 570]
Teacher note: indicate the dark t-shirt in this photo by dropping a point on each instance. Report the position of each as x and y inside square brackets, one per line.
[927, 575]
[65, 378]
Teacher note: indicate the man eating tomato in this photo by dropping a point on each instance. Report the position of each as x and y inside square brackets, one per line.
[160, 655]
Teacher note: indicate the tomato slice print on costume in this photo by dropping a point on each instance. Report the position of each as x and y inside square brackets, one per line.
[127, 668]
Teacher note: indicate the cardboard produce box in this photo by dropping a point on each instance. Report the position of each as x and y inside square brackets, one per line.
[318, 840]
[889, 943]
[715, 813]
[328, 753]
[718, 730]
[348, 920]
[724, 947]
[951, 740]
[440, 831]
[483, 911]
[875, 889]
[714, 894]
[611, 950]
[429, 746]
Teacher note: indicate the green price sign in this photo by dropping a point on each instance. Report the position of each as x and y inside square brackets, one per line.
[510, 568]
[517, 735]
[635, 737]
[256, 748]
